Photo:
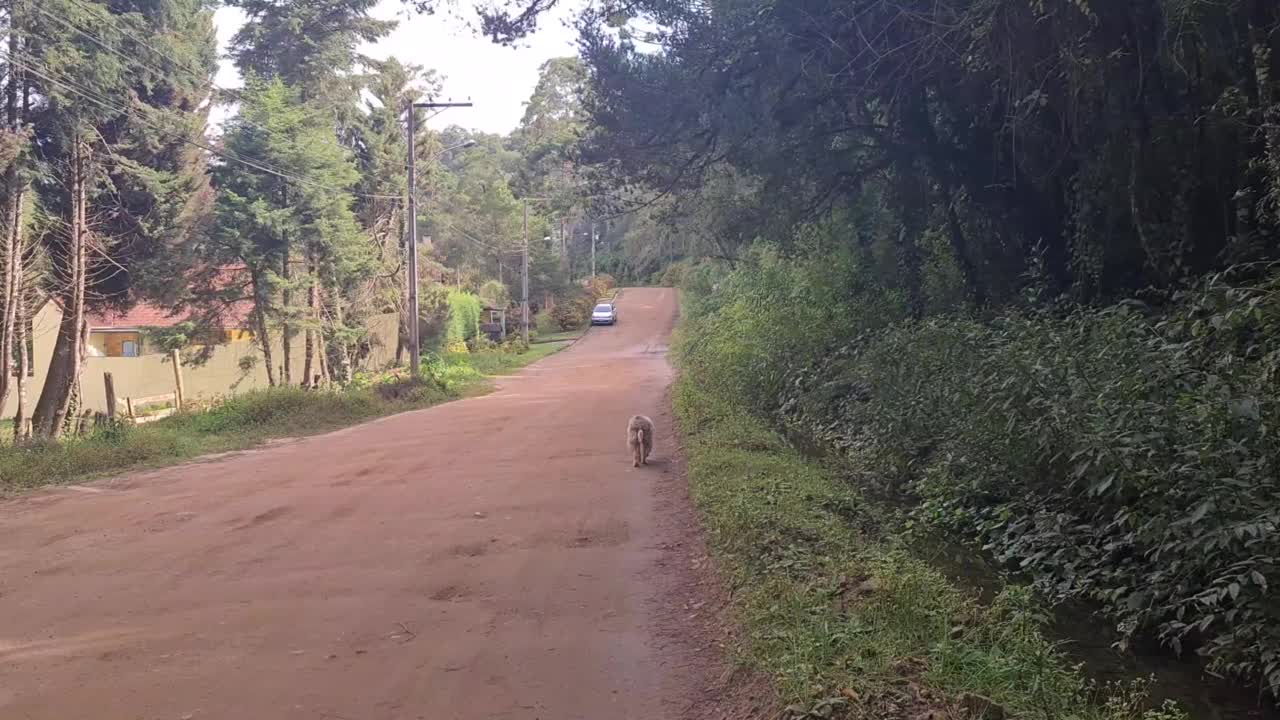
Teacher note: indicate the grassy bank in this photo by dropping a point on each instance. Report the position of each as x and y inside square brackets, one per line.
[248, 420]
[848, 624]
[504, 363]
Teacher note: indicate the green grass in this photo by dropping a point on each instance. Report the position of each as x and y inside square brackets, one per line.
[560, 337]
[497, 362]
[248, 420]
[241, 422]
[847, 623]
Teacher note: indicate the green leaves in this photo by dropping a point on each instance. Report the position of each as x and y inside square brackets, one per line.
[1107, 456]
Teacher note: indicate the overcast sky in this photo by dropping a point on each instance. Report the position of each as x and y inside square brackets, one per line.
[497, 79]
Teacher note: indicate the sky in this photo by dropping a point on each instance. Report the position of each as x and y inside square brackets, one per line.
[497, 79]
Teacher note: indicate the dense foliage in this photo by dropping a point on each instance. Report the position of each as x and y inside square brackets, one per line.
[1105, 146]
[463, 326]
[1121, 456]
[848, 623]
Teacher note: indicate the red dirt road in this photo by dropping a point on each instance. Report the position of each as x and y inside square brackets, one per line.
[491, 558]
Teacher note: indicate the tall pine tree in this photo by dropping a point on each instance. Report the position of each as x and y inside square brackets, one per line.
[119, 94]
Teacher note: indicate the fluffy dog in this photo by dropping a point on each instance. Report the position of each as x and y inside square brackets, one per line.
[640, 439]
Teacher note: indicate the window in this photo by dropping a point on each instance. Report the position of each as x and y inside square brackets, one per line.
[129, 348]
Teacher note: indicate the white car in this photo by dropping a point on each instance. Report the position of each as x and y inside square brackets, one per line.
[604, 314]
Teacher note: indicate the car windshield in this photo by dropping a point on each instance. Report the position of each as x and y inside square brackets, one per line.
[603, 308]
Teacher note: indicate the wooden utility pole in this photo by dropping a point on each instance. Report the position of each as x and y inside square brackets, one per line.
[415, 344]
[411, 247]
[524, 279]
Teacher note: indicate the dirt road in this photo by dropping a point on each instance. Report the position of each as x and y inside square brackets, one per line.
[491, 558]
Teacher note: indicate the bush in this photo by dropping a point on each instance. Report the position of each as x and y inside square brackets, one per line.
[840, 618]
[547, 324]
[672, 276]
[601, 286]
[1119, 456]
[465, 310]
[495, 294]
[573, 313]
[1112, 457]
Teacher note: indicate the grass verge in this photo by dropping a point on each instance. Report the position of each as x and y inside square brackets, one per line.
[499, 362]
[847, 623]
[248, 420]
[560, 337]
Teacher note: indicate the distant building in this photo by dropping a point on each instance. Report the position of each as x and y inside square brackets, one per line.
[124, 334]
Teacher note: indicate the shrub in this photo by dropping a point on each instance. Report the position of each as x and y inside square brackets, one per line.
[1112, 457]
[572, 313]
[464, 320]
[547, 324]
[1121, 456]
[673, 275]
[600, 286]
[495, 294]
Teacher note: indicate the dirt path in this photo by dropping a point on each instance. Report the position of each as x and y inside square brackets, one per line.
[491, 558]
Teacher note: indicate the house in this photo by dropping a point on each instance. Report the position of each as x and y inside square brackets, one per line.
[124, 334]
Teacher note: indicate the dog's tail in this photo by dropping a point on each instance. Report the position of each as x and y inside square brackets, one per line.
[640, 436]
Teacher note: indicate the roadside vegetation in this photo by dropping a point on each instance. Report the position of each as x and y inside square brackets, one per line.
[1121, 457]
[847, 621]
[250, 419]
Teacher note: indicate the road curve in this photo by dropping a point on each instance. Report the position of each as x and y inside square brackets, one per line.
[490, 558]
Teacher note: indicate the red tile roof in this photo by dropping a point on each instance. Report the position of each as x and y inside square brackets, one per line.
[144, 315]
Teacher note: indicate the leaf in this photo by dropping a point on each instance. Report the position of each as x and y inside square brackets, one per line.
[1201, 511]
[1234, 590]
[1258, 579]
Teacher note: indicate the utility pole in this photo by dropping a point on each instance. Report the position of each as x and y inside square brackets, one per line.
[593, 249]
[413, 322]
[524, 277]
[415, 343]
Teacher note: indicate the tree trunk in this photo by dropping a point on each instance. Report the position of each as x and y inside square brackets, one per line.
[68, 352]
[260, 303]
[919, 116]
[344, 350]
[11, 259]
[313, 312]
[1266, 66]
[286, 329]
[20, 431]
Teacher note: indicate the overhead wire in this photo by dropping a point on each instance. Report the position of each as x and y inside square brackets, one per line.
[192, 70]
[45, 73]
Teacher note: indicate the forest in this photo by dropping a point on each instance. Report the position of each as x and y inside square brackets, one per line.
[1013, 261]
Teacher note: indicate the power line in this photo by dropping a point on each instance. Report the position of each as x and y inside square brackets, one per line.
[225, 154]
[194, 72]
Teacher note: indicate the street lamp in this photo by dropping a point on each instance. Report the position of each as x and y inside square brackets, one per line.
[459, 146]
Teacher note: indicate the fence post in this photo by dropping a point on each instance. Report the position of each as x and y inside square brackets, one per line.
[111, 394]
[177, 379]
[129, 406]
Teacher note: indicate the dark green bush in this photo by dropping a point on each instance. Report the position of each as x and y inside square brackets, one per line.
[1123, 456]
[1112, 457]
[465, 310]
